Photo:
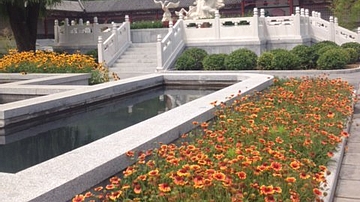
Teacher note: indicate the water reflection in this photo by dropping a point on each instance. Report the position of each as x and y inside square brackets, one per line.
[29, 144]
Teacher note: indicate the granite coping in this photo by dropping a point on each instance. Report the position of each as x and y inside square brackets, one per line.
[60, 178]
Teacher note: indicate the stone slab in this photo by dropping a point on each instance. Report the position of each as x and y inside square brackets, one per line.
[338, 199]
[351, 159]
[353, 147]
[350, 172]
[348, 189]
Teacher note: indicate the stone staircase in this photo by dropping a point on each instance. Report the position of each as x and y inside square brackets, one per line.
[138, 59]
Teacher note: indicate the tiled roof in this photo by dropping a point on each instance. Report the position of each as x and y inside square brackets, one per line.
[73, 6]
[120, 5]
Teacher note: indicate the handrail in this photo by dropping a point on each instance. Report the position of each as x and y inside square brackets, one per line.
[116, 44]
[170, 46]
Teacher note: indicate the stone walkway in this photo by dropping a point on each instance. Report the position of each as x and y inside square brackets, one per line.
[348, 187]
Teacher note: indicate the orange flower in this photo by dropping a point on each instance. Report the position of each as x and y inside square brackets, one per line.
[110, 186]
[219, 176]
[295, 165]
[115, 195]
[137, 189]
[130, 153]
[278, 190]
[317, 192]
[304, 176]
[183, 172]
[115, 180]
[153, 173]
[142, 177]
[164, 187]
[98, 188]
[344, 134]
[178, 180]
[279, 140]
[267, 190]
[290, 179]
[276, 166]
[78, 198]
[241, 175]
[330, 115]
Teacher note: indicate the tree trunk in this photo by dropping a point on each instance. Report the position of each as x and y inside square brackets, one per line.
[23, 22]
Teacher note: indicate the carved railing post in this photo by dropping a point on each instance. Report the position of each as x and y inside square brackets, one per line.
[331, 29]
[171, 26]
[96, 20]
[160, 64]
[297, 22]
[358, 32]
[56, 31]
[256, 22]
[127, 21]
[100, 50]
[217, 24]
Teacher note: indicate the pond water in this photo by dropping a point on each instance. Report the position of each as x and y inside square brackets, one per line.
[31, 143]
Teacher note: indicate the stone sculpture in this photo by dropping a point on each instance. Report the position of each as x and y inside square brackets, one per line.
[201, 9]
[165, 5]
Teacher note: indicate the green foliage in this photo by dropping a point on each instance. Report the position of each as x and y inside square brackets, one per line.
[93, 54]
[264, 60]
[353, 45]
[191, 59]
[333, 59]
[284, 60]
[324, 49]
[347, 12]
[241, 59]
[214, 62]
[146, 25]
[316, 47]
[306, 56]
[353, 55]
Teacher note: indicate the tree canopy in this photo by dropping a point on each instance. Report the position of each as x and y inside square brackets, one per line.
[23, 17]
[347, 12]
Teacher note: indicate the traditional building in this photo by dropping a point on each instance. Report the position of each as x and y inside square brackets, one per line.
[114, 10]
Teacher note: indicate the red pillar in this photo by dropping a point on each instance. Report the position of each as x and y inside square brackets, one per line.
[242, 8]
[291, 7]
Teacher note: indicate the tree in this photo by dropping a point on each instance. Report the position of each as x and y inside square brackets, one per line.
[347, 12]
[23, 17]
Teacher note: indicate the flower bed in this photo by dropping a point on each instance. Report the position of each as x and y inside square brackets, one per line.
[52, 62]
[273, 146]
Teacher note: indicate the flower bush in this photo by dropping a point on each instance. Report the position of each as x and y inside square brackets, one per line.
[52, 62]
[272, 146]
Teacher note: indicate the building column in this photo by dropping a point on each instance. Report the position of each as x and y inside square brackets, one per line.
[291, 7]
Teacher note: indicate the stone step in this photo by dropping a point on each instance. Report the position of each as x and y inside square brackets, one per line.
[133, 65]
[136, 60]
[135, 56]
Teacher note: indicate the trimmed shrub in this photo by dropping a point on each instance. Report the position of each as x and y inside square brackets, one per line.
[333, 59]
[353, 55]
[146, 25]
[241, 59]
[191, 59]
[214, 62]
[306, 56]
[264, 60]
[353, 45]
[284, 60]
[324, 49]
[316, 47]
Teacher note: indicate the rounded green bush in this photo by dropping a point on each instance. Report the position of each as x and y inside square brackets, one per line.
[214, 62]
[284, 60]
[353, 45]
[264, 60]
[306, 56]
[316, 47]
[324, 49]
[353, 55]
[241, 59]
[333, 59]
[191, 59]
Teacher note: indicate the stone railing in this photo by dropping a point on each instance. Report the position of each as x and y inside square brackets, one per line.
[79, 33]
[171, 45]
[249, 32]
[113, 46]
